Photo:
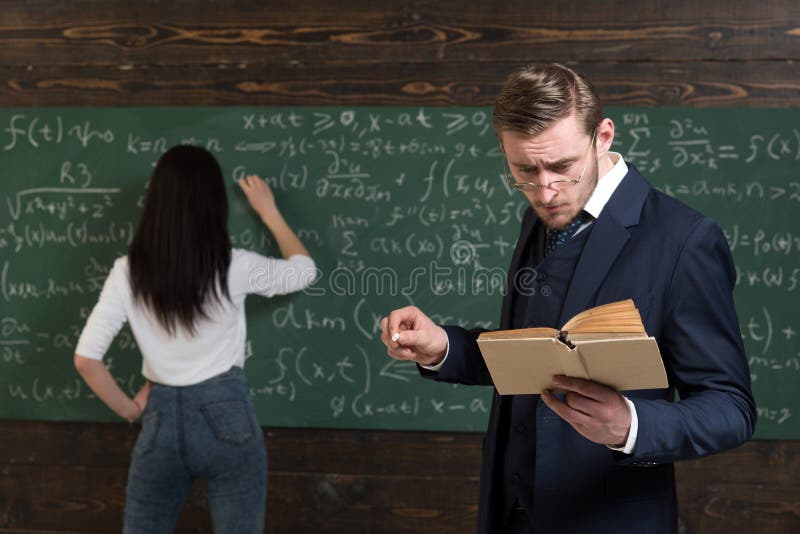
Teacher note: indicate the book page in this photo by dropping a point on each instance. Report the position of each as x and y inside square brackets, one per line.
[624, 363]
[523, 366]
[592, 336]
[521, 333]
[617, 317]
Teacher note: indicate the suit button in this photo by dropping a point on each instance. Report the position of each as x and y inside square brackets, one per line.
[515, 479]
[520, 428]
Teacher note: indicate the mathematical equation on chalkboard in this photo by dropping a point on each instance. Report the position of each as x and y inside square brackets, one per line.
[398, 206]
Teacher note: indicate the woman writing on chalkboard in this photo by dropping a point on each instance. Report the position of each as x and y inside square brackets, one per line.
[182, 289]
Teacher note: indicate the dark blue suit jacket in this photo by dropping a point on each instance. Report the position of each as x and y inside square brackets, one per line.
[676, 266]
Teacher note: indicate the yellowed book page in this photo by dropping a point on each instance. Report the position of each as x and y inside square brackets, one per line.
[603, 309]
[523, 366]
[614, 317]
[598, 336]
[520, 333]
[610, 325]
[624, 364]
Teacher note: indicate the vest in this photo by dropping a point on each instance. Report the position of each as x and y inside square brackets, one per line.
[540, 306]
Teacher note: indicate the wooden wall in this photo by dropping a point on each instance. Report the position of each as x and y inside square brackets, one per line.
[70, 477]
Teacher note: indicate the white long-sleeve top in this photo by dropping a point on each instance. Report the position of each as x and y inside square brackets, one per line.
[219, 340]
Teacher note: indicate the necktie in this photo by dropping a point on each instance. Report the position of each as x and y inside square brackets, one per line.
[556, 238]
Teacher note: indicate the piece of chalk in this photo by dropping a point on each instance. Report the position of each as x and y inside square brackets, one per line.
[395, 336]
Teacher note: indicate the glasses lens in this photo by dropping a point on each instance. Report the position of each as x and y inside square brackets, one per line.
[525, 186]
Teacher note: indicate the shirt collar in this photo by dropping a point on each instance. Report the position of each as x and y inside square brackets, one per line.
[606, 186]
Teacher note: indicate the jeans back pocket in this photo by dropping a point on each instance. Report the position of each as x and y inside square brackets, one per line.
[230, 421]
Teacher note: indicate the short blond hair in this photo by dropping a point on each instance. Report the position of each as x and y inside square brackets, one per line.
[537, 95]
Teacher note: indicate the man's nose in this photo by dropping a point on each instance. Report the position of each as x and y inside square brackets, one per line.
[546, 194]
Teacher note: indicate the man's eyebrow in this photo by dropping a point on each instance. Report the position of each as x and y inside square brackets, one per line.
[559, 161]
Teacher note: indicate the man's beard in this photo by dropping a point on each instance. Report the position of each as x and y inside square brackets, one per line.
[560, 226]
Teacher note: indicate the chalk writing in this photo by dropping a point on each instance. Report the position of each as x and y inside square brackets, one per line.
[398, 206]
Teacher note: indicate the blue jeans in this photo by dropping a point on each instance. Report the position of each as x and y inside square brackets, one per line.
[209, 431]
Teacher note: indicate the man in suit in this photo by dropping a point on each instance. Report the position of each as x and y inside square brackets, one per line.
[594, 459]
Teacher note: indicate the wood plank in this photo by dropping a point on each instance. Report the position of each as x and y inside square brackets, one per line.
[91, 499]
[290, 449]
[358, 481]
[67, 444]
[346, 503]
[76, 498]
[754, 488]
[631, 84]
[779, 463]
[241, 33]
[378, 453]
[53, 497]
[714, 507]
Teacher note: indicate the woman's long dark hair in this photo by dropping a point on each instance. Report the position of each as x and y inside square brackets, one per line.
[180, 254]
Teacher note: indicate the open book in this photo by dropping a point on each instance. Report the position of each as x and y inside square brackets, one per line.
[606, 344]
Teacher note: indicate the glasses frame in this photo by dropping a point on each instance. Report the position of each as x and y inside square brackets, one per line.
[532, 186]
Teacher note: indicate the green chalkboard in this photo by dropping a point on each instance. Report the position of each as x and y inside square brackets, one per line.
[398, 206]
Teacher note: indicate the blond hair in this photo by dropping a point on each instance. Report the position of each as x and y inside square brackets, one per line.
[537, 95]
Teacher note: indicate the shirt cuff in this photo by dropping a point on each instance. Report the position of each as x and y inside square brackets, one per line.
[441, 363]
[630, 444]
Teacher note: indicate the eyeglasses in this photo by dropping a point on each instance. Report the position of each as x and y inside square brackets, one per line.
[555, 184]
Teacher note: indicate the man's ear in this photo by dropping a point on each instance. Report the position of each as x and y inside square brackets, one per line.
[605, 136]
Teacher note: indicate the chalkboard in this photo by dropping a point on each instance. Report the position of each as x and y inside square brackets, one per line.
[398, 206]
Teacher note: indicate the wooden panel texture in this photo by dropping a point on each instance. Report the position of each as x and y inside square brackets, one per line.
[94, 52]
[70, 477]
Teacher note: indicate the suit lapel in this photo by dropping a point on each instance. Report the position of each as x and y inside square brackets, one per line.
[605, 242]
